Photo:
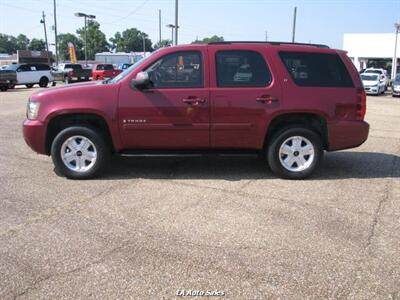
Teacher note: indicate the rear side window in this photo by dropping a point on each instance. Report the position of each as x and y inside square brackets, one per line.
[237, 68]
[105, 67]
[316, 69]
[42, 67]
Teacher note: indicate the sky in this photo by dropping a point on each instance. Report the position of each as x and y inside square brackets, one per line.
[318, 21]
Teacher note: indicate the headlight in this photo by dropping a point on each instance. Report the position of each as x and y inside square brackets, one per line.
[32, 110]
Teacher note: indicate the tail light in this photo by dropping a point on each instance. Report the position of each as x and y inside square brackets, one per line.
[361, 104]
[71, 73]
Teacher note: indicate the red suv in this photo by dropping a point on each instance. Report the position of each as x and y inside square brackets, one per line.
[104, 71]
[288, 102]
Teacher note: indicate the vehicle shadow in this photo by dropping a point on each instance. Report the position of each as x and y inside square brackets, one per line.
[336, 165]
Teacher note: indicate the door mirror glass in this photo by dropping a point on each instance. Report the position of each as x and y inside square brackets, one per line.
[141, 82]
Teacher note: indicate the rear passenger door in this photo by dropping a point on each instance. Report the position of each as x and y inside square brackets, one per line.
[244, 94]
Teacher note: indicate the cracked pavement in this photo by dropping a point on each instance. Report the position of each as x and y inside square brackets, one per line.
[150, 227]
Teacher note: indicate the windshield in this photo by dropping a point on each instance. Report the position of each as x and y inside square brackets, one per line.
[12, 67]
[373, 72]
[130, 69]
[397, 77]
[369, 77]
[73, 67]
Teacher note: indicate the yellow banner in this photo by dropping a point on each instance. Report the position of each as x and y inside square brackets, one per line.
[72, 53]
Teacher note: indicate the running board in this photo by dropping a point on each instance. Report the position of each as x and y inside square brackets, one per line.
[189, 153]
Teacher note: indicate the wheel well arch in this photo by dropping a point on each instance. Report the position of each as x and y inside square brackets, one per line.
[60, 122]
[313, 121]
[44, 77]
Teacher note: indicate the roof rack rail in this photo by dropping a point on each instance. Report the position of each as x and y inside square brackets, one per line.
[271, 43]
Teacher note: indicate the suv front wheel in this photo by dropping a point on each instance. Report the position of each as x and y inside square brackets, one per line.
[79, 152]
[295, 152]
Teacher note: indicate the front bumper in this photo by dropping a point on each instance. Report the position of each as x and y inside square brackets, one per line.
[372, 90]
[347, 134]
[396, 92]
[35, 135]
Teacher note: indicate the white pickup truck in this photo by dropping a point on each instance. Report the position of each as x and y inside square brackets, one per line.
[31, 74]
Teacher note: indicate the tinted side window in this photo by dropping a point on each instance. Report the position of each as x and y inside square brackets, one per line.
[316, 69]
[42, 67]
[241, 69]
[177, 70]
[24, 68]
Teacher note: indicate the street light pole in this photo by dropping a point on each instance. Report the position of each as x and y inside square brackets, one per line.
[176, 22]
[85, 16]
[394, 63]
[43, 21]
[172, 26]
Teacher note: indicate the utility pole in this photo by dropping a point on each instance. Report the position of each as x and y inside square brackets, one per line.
[159, 24]
[55, 30]
[394, 63]
[266, 36]
[144, 45]
[294, 25]
[43, 21]
[176, 22]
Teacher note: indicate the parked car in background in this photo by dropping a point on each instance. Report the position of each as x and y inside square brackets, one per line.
[373, 83]
[289, 104]
[31, 74]
[74, 73]
[104, 71]
[396, 86]
[8, 79]
[381, 72]
[123, 66]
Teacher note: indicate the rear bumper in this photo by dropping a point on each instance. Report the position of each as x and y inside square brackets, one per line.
[35, 135]
[347, 134]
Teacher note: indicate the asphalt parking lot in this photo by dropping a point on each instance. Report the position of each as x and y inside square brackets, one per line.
[150, 227]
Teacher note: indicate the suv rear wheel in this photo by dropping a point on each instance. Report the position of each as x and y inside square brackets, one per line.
[295, 152]
[30, 85]
[43, 82]
[79, 152]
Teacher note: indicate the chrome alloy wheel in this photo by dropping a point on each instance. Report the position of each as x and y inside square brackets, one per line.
[78, 153]
[296, 154]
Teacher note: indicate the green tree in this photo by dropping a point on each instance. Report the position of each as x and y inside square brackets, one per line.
[212, 39]
[8, 43]
[22, 42]
[162, 43]
[96, 39]
[129, 40]
[63, 40]
[37, 45]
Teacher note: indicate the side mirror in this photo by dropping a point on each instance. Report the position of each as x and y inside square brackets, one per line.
[141, 82]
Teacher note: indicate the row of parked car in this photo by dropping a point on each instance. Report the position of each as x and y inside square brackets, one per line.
[43, 75]
[376, 82]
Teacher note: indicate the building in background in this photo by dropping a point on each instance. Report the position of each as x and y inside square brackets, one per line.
[368, 50]
[120, 57]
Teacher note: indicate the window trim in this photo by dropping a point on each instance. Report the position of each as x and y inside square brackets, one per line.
[267, 84]
[200, 53]
[280, 53]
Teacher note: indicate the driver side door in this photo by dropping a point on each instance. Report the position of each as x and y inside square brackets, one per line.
[174, 112]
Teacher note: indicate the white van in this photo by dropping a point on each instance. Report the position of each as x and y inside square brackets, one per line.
[31, 74]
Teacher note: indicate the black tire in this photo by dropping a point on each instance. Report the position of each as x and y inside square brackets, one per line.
[278, 139]
[4, 88]
[43, 82]
[29, 86]
[103, 152]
